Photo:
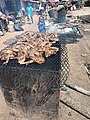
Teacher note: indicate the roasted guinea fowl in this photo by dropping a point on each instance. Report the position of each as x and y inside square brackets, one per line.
[31, 45]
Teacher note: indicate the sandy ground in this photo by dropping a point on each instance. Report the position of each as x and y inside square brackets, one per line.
[84, 11]
[78, 77]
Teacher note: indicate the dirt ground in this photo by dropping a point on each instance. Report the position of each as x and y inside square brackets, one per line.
[78, 55]
[76, 103]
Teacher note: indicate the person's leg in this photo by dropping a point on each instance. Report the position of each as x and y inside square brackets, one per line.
[30, 20]
[1, 26]
[5, 25]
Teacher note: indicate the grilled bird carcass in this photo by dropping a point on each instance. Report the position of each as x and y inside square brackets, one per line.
[31, 45]
[6, 55]
[51, 51]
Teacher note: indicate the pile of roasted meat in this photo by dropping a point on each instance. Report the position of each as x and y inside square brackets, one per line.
[30, 48]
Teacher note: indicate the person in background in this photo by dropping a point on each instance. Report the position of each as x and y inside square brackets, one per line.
[29, 10]
[3, 22]
[41, 25]
[41, 9]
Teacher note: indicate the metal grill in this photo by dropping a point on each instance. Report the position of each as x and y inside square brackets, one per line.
[34, 83]
[64, 65]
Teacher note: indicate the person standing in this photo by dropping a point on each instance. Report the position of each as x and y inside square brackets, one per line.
[41, 25]
[29, 10]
